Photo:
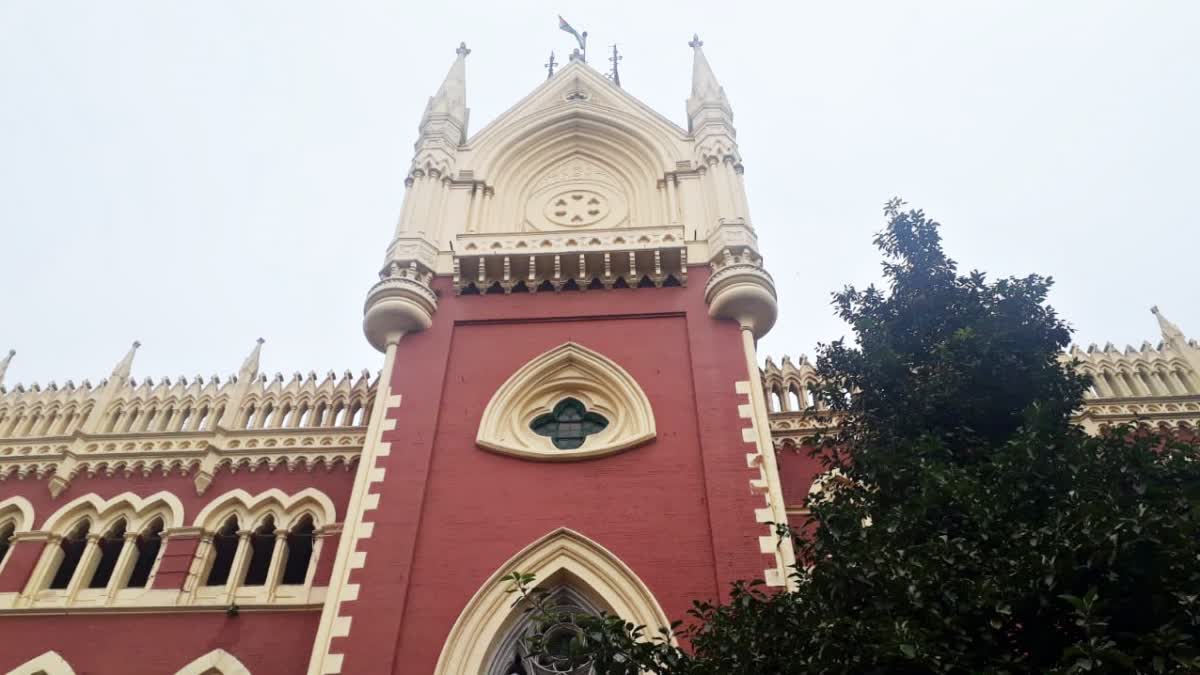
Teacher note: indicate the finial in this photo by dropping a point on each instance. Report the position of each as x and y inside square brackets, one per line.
[4, 363]
[462, 49]
[125, 366]
[250, 365]
[1171, 333]
[549, 66]
[696, 43]
[615, 75]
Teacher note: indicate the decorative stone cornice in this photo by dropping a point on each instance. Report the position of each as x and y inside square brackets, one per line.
[571, 260]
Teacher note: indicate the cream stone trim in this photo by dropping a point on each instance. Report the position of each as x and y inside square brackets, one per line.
[359, 524]
[137, 511]
[216, 662]
[49, 663]
[767, 482]
[286, 509]
[562, 556]
[567, 370]
[19, 511]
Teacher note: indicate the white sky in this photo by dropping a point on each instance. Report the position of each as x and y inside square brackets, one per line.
[198, 174]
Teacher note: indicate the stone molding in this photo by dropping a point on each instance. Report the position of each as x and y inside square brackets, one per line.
[49, 663]
[218, 661]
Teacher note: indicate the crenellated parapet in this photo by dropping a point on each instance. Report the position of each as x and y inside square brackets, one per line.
[1152, 384]
[195, 426]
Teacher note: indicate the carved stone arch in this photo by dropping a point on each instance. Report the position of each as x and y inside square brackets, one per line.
[19, 511]
[49, 663]
[216, 662]
[240, 502]
[569, 371]
[562, 557]
[137, 511]
[632, 171]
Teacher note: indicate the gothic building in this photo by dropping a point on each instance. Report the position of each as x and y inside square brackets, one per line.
[567, 316]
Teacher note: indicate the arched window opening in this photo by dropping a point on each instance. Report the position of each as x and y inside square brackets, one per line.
[794, 398]
[6, 535]
[72, 550]
[336, 418]
[299, 552]
[249, 417]
[264, 416]
[304, 419]
[148, 544]
[110, 549]
[262, 545]
[812, 396]
[181, 421]
[225, 544]
[775, 401]
[218, 413]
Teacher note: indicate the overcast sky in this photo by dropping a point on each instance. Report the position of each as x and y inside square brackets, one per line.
[196, 175]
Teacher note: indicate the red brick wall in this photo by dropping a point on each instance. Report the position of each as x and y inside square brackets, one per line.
[161, 643]
[268, 643]
[677, 510]
[796, 473]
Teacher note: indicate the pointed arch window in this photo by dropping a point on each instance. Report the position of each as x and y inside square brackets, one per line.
[225, 545]
[512, 656]
[72, 548]
[299, 552]
[148, 545]
[6, 535]
[569, 403]
[262, 546]
[110, 550]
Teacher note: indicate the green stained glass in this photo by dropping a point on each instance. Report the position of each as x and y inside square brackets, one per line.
[569, 425]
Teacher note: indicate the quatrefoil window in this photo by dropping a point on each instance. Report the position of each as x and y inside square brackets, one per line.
[577, 208]
[569, 425]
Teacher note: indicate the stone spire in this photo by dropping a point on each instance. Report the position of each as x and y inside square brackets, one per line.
[250, 366]
[124, 367]
[706, 91]
[1170, 332]
[450, 101]
[4, 364]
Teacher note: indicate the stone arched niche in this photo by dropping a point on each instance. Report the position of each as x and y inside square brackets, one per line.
[561, 559]
[568, 374]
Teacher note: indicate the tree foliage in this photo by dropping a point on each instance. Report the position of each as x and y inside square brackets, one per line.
[973, 528]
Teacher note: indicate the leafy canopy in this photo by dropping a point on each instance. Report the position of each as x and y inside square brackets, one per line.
[974, 528]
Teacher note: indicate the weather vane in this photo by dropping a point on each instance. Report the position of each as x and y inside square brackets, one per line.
[581, 38]
[549, 66]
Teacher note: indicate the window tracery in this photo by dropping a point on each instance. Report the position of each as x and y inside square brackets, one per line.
[512, 655]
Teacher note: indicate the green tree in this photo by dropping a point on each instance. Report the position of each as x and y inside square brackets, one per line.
[974, 528]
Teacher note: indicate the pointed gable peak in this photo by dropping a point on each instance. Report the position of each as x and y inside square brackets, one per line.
[451, 98]
[706, 91]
